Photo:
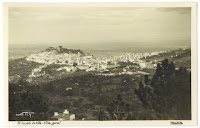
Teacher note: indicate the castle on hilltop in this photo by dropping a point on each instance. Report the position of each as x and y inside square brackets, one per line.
[53, 49]
[60, 49]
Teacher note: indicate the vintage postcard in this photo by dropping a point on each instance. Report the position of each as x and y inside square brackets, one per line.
[100, 64]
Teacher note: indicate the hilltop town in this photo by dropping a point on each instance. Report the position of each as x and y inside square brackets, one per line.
[69, 57]
[71, 60]
[79, 86]
[53, 63]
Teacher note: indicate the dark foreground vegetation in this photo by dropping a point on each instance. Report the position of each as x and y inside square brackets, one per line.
[164, 95]
[168, 92]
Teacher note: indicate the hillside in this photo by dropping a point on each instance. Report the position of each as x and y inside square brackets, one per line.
[89, 94]
[85, 94]
[179, 57]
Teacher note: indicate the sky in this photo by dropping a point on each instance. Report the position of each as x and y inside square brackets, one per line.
[100, 25]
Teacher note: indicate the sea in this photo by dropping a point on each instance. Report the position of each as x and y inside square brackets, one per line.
[16, 51]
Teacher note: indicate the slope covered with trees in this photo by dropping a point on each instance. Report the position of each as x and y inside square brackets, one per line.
[164, 95]
[168, 92]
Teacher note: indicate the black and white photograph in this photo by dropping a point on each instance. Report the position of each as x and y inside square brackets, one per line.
[101, 63]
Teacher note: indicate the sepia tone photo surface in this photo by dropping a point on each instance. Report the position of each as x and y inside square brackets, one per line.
[100, 63]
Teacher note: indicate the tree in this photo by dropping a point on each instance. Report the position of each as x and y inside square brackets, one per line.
[118, 109]
[170, 89]
[183, 94]
[102, 115]
[76, 103]
[146, 79]
[75, 64]
[143, 94]
[42, 116]
[130, 117]
[80, 100]
[27, 100]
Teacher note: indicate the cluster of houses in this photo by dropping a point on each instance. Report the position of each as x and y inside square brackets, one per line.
[125, 71]
[36, 72]
[68, 68]
[52, 57]
[14, 78]
[135, 57]
[26, 113]
[85, 62]
[64, 116]
[148, 65]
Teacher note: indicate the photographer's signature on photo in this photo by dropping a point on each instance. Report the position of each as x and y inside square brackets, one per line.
[176, 123]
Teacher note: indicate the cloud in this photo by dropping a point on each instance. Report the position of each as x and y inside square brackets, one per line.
[180, 10]
[106, 24]
[69, 13]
